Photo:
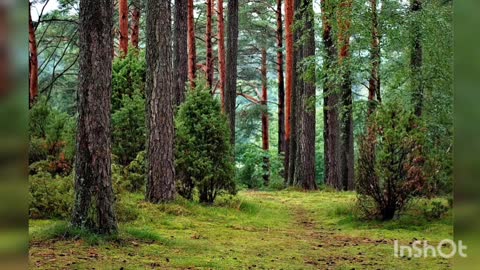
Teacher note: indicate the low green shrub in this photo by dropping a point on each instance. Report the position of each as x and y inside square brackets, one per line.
[50, 197]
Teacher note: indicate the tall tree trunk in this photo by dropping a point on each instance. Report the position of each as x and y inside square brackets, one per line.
[221, 52]
[297, 92]
[180, 54]
[346, 110]
[374, 82]
[289, 70]
[137, 8]
[330, 100]
[281, 86]
[264, 102]
[32, 41]
[208, 40]
[123, 14]
[231, 65]
[305, 168]
[159, 102]
[192, 53]
[94, 197]
[416, 58]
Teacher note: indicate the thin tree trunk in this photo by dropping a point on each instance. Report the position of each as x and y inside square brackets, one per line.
[330, 100]
[416, 58]
[192, 54]
[281, 86]
[123, 14]
[305, 168]
[265, 141]
[374, 82]
[208, 40]
[346, 111]
[159, 103]
[289, 68]
[94, 197]
[231, 66]
[180, 59]
[137, 8]
[33, 60]
[221, 52]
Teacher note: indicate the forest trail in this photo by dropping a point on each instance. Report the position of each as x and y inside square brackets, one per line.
[253, 230]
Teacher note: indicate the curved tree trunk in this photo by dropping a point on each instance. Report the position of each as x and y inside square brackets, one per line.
[221, 52]
[281, 85]
[159, 103]
[192, 54]
[231, 66]
[180, 56]
[94, 197]
[123, 14]
[265, 141]
[137, 8]
[32, 41]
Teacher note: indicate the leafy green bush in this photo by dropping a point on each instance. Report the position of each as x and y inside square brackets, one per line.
[128, 134]
[50, 197]
[435, 211]
[135, 173]
[204, 156]
[390, 167]
[128, 77]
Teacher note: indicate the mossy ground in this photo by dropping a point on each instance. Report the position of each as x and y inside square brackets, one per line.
[254, 230]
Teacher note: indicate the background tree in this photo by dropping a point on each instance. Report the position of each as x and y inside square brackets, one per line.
[192, 56]
[93, 183]
[123, 18]
[180, 51]
[289, 69]
[136, 14]
[32, 41]
[221, 52]
[159, 103]
[281, 85]
[231, 65]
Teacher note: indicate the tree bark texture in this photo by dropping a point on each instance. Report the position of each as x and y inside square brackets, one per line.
[180, 51]
[330, 100]
[289, 70]
[192, 52]
[305, 168]
[281, 84]
[94, 197]
[123, 15]
[136, 14]
[159, 103]
[374, 96]
[231, 66]
[32, 41]
[208, 40]
[221, 52]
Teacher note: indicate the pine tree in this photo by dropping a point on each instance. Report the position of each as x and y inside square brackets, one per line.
[32, 41]
[123, 14]
[93, 184]
[231, 66]
[159, 102]
[180, 50]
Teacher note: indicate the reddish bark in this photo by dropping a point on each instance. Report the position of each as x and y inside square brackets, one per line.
[123, 14]
[221, 52]
[265, 147]
[136, 23]
[288, 75]
[208, 40]
[281, 86]
[192, 54]
[33, 61]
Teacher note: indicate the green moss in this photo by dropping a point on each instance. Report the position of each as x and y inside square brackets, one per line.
[270, 230]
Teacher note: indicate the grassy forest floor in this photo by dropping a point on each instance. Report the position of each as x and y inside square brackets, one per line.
[254, 230]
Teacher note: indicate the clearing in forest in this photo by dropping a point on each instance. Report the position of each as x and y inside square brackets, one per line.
[253, 230]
